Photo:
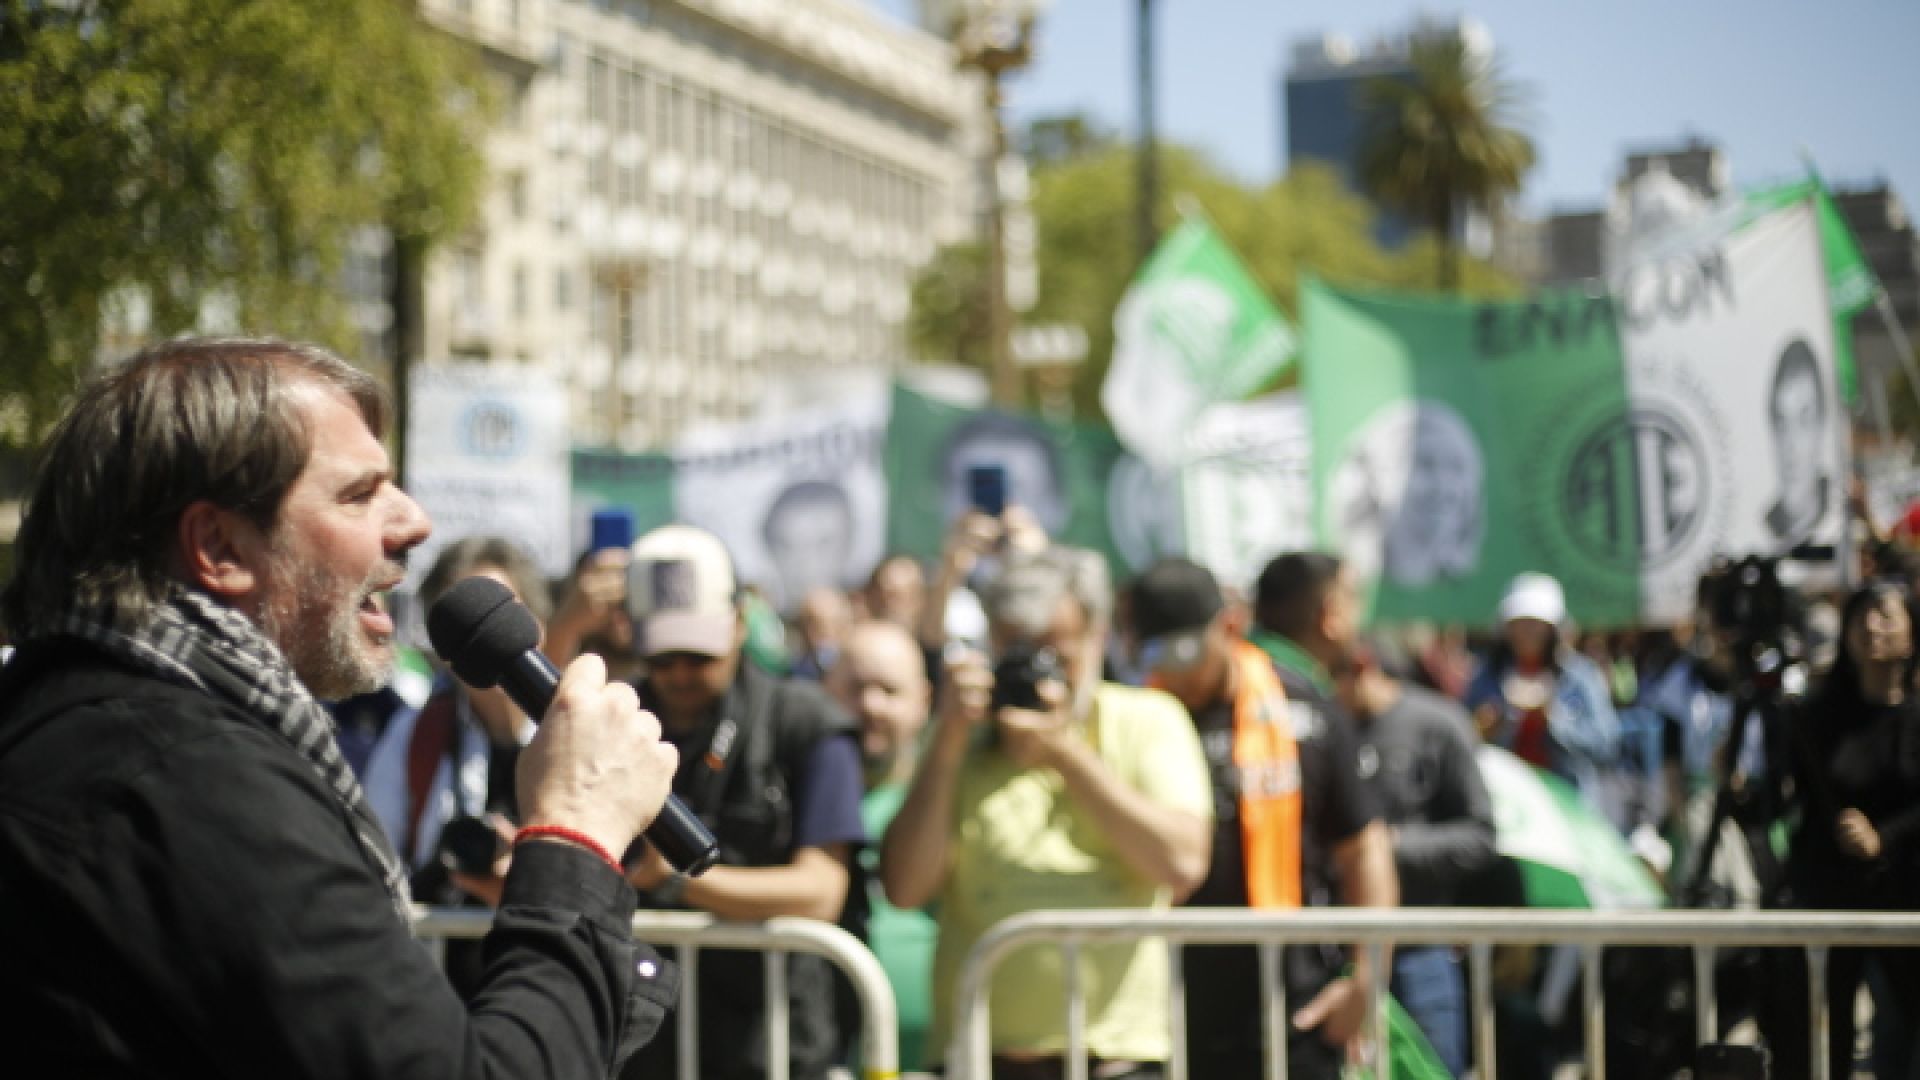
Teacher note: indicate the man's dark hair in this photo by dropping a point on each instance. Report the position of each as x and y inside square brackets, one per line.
[463, 559]
[1172, 596]
[1796, 361]
[193, 419]
[1291, 591]
[821, 492]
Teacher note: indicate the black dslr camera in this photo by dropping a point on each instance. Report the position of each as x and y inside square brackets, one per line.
[1748, 598]
[1018, 673]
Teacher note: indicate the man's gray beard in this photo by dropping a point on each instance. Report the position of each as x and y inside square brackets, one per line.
[325, 655]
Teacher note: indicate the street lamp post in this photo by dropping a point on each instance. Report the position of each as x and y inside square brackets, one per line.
[1054, 354]
[995, 37]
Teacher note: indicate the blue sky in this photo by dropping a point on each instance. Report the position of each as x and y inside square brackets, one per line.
[1765, 78]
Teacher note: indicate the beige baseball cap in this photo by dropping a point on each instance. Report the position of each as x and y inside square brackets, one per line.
[680, 592]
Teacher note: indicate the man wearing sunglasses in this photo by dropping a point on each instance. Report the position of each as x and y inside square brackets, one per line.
[1291, 819]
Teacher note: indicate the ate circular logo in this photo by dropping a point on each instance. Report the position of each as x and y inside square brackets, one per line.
[492, 429]
[1635, 490]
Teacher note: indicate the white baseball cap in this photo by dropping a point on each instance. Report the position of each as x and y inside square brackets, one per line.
[680, 592]
[1534, 596]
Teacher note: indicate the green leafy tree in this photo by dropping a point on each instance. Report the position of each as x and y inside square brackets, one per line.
[185, 156]
[1056, 140]
[1306, 223]
[948, 320]
[1443, 140]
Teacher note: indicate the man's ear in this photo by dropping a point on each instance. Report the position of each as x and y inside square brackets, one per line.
[219, 551]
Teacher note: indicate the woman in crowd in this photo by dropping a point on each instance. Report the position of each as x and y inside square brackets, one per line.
[1856, 769]
[1543, 701]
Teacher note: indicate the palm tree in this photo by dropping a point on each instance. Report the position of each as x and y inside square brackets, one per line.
[1442, 141]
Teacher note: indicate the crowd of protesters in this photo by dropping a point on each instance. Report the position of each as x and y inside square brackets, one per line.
[1005, 729]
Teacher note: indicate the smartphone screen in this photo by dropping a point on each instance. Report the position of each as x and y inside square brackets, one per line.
[612, 528]
[987, 488]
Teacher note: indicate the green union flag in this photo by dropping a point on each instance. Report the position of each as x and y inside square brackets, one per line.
[1194, 328]
[1617, 439]
[1435, 425]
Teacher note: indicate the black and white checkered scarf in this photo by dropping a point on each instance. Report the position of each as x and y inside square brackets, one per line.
[190, 639]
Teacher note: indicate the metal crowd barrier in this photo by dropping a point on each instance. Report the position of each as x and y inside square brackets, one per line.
[1480, 929]
[689, 932]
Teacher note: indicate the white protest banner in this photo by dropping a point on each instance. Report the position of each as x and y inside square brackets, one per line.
[1739, 437]
[487, 456]
[800, 499]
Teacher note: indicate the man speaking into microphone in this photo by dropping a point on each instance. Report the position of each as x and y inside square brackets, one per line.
[191, 882]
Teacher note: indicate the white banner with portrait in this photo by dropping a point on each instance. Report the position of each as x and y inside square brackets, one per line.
[1743, 438]
[800, 499]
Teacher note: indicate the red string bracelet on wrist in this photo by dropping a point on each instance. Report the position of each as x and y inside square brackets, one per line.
[572, 836]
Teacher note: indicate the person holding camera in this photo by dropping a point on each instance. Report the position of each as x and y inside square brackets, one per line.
[1041, 786]
[1856, 771]
[772, 766]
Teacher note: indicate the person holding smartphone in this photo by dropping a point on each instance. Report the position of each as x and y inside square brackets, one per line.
[989, 529]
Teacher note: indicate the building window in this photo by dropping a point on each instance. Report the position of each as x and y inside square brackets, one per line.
[624, 119]
[597, 90]
[562, 290]
[519, 292]
[626, 336]
[600, 312]
[470, 280]
[517, 196]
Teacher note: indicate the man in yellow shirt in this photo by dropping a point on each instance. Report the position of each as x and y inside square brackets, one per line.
[1041, 786]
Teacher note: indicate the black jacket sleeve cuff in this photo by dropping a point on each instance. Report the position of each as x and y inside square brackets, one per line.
[553, 875]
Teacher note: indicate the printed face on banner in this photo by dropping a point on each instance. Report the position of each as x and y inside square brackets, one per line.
[1797, 411]
[1408, 495]
[799, 498]
[809, 533]
[1034, 471]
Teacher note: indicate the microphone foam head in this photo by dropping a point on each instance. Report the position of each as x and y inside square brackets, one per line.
[479, 628]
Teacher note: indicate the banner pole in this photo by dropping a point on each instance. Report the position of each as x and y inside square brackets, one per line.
[1877, 403]
[1902, 345]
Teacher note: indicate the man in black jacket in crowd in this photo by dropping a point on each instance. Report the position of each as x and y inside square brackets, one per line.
[773, 767]
[1416, 751]
[191, 882]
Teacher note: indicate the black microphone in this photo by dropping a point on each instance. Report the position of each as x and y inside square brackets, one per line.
[492, 640]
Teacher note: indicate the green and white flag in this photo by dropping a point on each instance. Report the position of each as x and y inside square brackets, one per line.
[1246, 489]
[1619, 440]
[1194, 328]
